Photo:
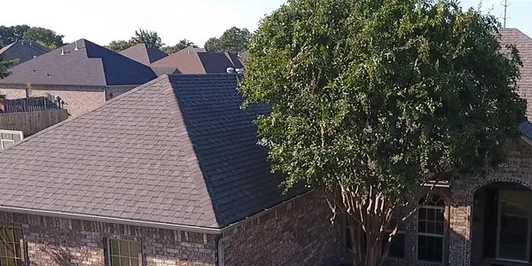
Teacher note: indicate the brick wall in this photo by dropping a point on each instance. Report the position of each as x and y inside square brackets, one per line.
[77, 101]
[297, 232]
[83, 242]
[517, 170]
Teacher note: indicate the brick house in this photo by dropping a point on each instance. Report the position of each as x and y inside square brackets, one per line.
[479, 221]
[83, 74]
[166, 174]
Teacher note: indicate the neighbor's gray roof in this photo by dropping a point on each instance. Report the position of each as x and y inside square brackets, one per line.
[22, 51]
[88, 65]
[143, 54]
[178, 150]
[524, 44]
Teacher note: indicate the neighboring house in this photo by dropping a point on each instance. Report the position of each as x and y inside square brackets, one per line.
[196, 61]
[167, 174]
[143, 54]
[22, 51]
[83, 74]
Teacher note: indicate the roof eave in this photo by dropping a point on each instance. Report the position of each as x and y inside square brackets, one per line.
[114, 220]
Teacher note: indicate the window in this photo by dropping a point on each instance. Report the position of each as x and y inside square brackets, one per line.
[124, 253]
[431, 235]
[11, 248]
[514, 225]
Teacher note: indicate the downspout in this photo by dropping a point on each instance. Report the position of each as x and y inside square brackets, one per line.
[220, 247]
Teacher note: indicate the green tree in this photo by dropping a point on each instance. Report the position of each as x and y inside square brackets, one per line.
[11, 34]
[150, 38]
[233, 40]
[371, 99]
[19, 32]
[179, 46]
[44, 36]
[212, 45]
[4, 65]
[120, 45]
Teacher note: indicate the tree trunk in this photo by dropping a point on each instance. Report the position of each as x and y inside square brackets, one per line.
[371, 215]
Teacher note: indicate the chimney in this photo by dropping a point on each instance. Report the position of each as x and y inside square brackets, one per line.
[62, 51]
[76, 46]
[230, 70]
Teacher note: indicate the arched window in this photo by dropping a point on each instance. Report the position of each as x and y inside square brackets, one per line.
[431, 232]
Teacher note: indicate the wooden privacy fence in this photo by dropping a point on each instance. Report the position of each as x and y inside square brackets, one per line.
[31, 122]
[32, 104]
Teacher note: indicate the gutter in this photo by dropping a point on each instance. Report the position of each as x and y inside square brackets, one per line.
[103, 219]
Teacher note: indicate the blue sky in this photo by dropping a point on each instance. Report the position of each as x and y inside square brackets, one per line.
[104, 20]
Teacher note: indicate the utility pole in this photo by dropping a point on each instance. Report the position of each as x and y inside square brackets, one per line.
[505, 12]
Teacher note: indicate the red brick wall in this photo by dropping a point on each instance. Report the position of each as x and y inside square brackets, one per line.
[297, 232]
[84, 242]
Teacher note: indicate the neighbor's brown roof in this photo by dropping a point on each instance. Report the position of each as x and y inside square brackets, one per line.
[524, 44]
[193, 62]
[178, 150]
[143, 54]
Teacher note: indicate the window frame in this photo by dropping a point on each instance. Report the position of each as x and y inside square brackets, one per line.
[110, 253]
[442, 236]
[21, 259]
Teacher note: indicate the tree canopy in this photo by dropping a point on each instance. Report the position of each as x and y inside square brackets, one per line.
[4, 65]
[372, 98]
[234, 40]
[44, 36]
[119, 45]
[179, 46]
[150, 38]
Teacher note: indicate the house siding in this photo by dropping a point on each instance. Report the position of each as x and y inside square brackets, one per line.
[516, 170]
[297, 232]
[459, 209]
[77, 100]
[84, 242]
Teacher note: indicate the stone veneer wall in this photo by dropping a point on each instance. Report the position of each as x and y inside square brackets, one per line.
[84, 242]
[297, 232]
[517, 170]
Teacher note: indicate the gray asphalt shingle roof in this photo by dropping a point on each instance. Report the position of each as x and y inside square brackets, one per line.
[524, 44]
[88, 65]
[22, 51]
[177, 150]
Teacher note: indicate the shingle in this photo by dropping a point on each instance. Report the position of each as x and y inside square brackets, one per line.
[524, 45]
[177, 150]
[143, 54]
[81, 63]
[189, 61]
[22, 51]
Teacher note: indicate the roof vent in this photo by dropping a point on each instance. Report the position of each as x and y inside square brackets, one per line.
[230, 70]
[240, 71]
[62, 51]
